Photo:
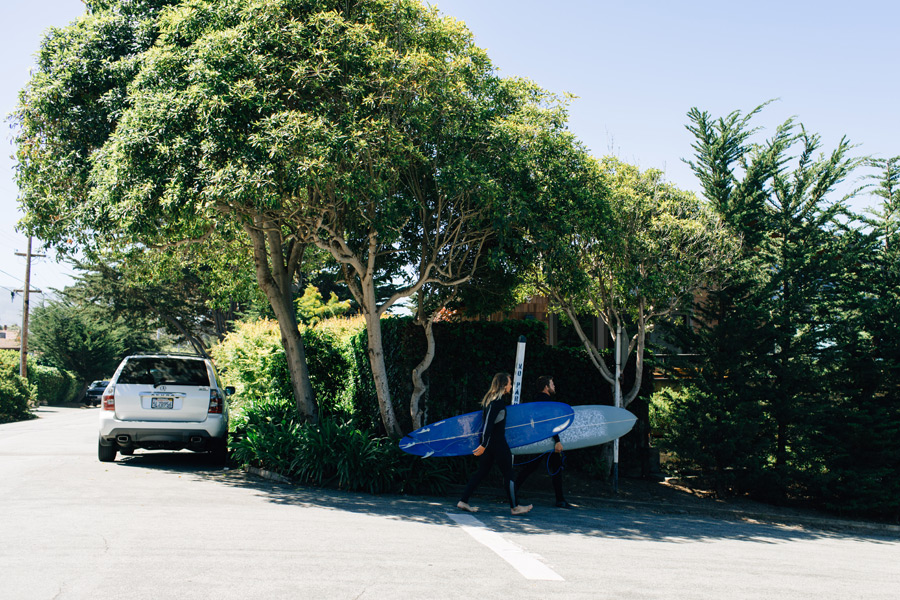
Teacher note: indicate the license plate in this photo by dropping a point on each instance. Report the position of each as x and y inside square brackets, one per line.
[162, 403]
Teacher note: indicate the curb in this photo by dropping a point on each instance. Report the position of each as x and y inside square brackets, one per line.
[759, 516]
[267, 475]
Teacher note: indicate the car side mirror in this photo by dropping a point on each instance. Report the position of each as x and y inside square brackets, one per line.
[229, 390]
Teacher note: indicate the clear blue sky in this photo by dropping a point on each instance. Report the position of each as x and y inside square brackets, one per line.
[637, 68]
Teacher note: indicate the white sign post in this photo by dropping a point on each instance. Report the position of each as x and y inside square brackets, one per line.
[621, 353]
[517, 376]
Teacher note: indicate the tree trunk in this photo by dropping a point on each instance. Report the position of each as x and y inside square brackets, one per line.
[379, 373]
[639, 359]
[276, 280]
[295, 353]
[416, 410]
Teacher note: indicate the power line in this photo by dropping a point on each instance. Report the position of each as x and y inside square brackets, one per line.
[13, 276]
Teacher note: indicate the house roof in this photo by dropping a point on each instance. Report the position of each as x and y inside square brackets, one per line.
[10, 341]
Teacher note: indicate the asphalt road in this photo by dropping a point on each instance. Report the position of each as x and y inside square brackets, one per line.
[169, 525]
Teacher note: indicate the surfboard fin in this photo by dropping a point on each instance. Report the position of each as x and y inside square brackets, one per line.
[562, 426]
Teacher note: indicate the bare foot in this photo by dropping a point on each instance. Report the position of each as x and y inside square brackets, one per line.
[521, 510]
[463, 506]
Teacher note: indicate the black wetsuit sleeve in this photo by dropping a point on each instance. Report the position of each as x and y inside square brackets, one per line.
[490, 417]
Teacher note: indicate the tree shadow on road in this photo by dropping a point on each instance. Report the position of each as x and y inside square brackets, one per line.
[608, 518]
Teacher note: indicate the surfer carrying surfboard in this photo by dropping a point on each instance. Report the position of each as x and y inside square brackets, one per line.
[493, 447]
[546, 390]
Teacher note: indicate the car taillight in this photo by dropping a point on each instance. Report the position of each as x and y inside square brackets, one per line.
[109, 398]
[216, 402]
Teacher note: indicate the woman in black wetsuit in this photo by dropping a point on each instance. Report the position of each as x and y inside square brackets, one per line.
[493, 447]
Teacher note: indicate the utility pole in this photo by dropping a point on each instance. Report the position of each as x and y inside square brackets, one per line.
[23, 335]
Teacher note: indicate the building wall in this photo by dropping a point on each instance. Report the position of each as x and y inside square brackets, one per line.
[536, 308]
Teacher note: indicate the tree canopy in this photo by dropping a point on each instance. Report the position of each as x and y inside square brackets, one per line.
[375, 130]
[634, 254]
[85, 338]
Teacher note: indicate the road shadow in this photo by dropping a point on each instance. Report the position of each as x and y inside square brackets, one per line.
[598, 517]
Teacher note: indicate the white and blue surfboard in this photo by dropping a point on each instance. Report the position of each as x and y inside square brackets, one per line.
[594, 424]
[459, 436]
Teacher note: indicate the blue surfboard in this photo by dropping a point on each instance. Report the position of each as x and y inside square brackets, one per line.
[459, 436]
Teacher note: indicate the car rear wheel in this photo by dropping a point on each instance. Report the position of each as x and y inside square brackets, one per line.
[218, 452]
[106, 453]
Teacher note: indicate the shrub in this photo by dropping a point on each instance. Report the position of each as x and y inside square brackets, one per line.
[266, 434]
[311, 309]
[263, 433]
[253, 360]
[715, 435]
[53, 385]
[15, 393]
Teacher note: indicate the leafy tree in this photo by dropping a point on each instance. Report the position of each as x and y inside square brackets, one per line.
[803, 255]
[69, 109]
[364, 128]
[192, 291]
[84, 339]
[735, 175]
[634, 257]
[430, 224]
[104, 66]
[490, 289]
[885, 219]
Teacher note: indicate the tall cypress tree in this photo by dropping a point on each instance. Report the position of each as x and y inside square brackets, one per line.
[724, 401]
[757, 335]
[859, 440]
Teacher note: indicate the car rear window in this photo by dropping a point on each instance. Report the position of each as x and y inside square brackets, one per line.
[164, 371]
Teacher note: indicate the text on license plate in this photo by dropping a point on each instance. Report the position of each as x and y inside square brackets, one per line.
[162, 403]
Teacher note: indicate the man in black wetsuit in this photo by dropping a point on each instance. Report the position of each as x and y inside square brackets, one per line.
[554, 462]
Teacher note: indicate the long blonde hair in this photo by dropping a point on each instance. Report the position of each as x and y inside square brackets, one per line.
[498, 388]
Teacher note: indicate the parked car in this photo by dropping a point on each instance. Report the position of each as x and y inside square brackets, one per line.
[94, 393]
[164, 402]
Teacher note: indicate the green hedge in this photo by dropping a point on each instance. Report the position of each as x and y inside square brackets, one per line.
[15, 393]
[348, 448]
[253, 360]
[53, 385]
[467, 355]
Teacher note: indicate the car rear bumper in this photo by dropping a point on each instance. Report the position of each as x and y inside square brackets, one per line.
[141, 433]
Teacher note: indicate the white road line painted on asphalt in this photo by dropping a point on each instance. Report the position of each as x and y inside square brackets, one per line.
[526, 563]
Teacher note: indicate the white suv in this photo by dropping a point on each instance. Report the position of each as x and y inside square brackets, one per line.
[164, 402]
